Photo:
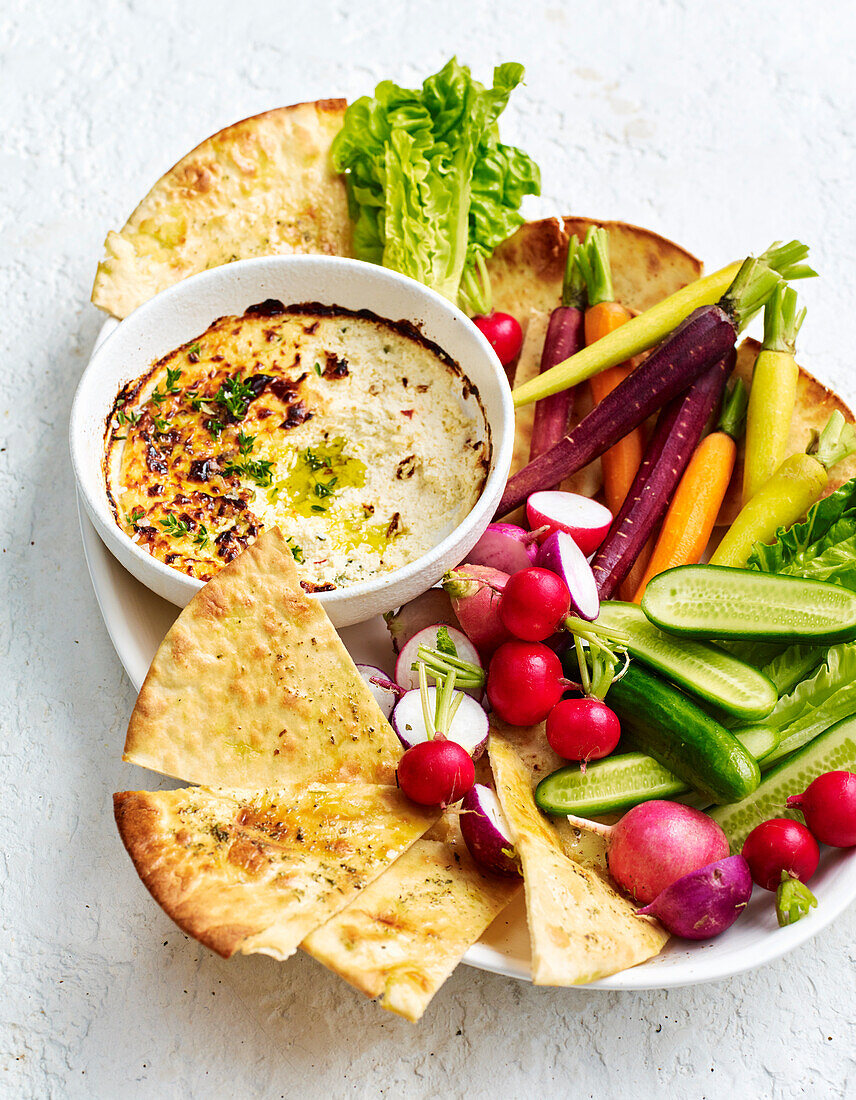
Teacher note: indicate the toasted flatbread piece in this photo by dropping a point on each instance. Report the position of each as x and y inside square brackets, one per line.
[404, 935]
[252, 687]
[812, 409]
[260, 187]
[581, 928]
[526, 276]
[256, 871]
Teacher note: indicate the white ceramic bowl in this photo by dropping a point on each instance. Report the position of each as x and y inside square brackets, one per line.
[187, 309]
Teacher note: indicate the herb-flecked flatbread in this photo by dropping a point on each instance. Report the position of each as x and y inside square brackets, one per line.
[402, 937]
[581, 928]
[256, 871]
[252, 687]
[261, 187]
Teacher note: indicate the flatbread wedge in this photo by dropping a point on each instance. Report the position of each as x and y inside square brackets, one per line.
[256, 871]
[402, 937]
[581, 928]
[263, 186]
[252, 687]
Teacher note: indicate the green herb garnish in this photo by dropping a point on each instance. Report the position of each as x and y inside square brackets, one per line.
[194, 349]
[235, 396]
[176, 527]
[318, 369]
[135, 516]
[123, 418]
[161, 425]
[245, 443]
[258, 470]
[200, 539]
[172, 377]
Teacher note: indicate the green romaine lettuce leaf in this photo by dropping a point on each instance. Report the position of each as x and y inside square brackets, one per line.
[818, 702]
[431, 189]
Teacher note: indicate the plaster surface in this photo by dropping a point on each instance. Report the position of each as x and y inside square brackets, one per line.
[723, 126]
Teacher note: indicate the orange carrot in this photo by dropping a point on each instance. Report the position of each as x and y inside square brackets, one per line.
[603, 316]
[692, 514]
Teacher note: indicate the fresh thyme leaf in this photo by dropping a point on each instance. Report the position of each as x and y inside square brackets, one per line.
[161, 425]
[158, 396]
[325, 488]
[176, 527]
[194, 349]
[172, 377]
[318, 508]
[297, 554]
[245, 442]
[258, 470]
[318, 369]
[215, 427]
[235, 396]
[200, 539]
[135, 516]
[313, 461]
[123, 417]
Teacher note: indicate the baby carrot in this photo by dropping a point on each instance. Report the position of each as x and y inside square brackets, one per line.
[692, 514]
[621, 462]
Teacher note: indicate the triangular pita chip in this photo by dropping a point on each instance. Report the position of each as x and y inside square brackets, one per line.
[256, 871]
[404, 935]
[260, 187]
[581, 928]
[252, 687]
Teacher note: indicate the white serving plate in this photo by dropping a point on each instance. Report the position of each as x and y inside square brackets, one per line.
[137, 620]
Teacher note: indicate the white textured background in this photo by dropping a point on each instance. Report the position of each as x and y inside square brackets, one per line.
[721, 125]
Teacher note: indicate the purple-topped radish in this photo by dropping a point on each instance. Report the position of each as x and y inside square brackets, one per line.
[705, 902]
[433, 606]
[407, 677]
[384, 691]
[506, 547]
[486, 833]
[708, 334]
[469, 726]
[561, 555]
[583, 519]
[476, 591]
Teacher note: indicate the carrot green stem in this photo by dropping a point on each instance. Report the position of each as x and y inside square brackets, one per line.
[782, 321]
[835, 442]
[573, 284]
[593, 262]
[732, 419]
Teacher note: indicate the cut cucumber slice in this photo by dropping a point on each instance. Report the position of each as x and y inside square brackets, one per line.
[710, 601]
[620, 782]
[833, 750]
[701, 669]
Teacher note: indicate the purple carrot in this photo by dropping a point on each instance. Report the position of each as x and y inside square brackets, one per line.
[676, 436]
[699, 342]
[565, 336]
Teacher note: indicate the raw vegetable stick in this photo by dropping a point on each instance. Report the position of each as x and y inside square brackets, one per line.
[692, 514]
[774, 391]
[603, 316]
[646, 330]
[696, 345]
[675, 437]
[784, 498]
[564, 337]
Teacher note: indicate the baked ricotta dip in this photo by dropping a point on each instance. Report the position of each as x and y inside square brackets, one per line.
[361, 440]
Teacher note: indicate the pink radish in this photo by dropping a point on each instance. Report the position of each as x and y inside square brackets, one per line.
[486, 833]
[534, 604]
[503, 333]
[476, 591]
[435, 773]
[561, 555]
[407, 677]
[582, 729]
[829, 808]
[377, 679]
[433, 606]
[505, 546]
[469, 726]
[705, 902]
[585, 520]
[524, 682]
[656, 843]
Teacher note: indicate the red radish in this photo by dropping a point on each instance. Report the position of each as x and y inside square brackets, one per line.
[561, 555]
[780, 845]
[583, 519]
[505, 546]
[407, 677]
[503, 333]
[693, 348]
[524, 682]
[433, 606]
[486, 833]
[829, 807]
[535, 602]
[469, 727]
[476, 591]
[436, 772]
[676, 436]
[565, 336]
[705, 902]
[582, 729]
[377, 679]
[656, 843]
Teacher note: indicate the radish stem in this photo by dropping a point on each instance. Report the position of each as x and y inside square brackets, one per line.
[425, 700]
[583, 663]
[589, 826]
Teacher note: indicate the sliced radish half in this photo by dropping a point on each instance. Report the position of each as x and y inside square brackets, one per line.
[469, 727]
[506, 547]
[585, 520]
[560, 554]
[433, 606]
[385, 697]
[407, 678]
[486, 832]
